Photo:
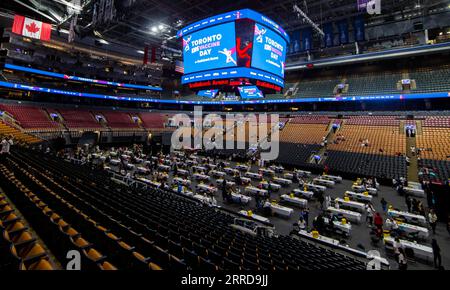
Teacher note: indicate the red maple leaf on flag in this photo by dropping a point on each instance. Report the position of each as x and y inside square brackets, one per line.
[32, 28]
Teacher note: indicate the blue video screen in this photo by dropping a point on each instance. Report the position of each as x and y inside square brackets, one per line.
[210, 48]
[250, 92]
[269, 50]
[208, 93]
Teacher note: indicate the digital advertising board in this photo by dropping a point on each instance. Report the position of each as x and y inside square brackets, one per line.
[269, 51]
[250, 92]
[209, 49]
[208, 93]
[238, 45]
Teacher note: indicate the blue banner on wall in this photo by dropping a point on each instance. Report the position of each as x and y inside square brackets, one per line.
[307, 38]
[359, 28]
[296, 43]
[343, 31]
[328, 37]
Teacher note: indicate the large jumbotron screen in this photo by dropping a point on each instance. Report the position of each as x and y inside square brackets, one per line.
[211, 48]
[235, 46]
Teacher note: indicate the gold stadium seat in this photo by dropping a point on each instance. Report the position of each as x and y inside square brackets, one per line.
[107, 266]
[19, 240]
[154, 266]
[15, 228]
[80, 243]
[71, 232]
[9, 219]
[41, 265]
[5, 210]
[93, 255]
[30, 252]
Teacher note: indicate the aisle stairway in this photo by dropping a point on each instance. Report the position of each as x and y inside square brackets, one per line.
[413, 168]
[330, 138]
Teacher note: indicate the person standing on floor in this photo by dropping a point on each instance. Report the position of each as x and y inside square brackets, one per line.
[436, 254]
[306, 215]
[224, 190]
[321, 199]
[402, 263]
[408, 201]
[432, 219]
[383, 204]
[378, 221]
[369, 213]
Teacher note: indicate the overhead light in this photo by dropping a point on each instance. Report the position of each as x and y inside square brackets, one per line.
[154, 29]
[140, 52]
[161, 27]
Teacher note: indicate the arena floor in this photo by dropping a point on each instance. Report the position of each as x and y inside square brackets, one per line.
[359, 233]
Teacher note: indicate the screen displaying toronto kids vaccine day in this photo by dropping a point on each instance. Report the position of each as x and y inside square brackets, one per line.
[210, 48]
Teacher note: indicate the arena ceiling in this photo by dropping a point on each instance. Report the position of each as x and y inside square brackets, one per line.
[140, 22]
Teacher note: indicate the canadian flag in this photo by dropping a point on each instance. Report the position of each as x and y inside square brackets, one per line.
[31, 28]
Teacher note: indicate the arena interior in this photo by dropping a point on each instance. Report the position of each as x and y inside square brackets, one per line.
[245, 136]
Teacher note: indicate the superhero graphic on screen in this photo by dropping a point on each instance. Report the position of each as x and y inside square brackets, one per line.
[229, 54]
[244, 52]
[259, 33]
[186, 43]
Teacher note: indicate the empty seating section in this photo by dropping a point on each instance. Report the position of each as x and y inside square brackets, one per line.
[152, 120]
[119, 120]
[380, 166]
[295, 154]
[435, 141]
[310, 120]
[437, 121]
[410, 122]
[316, 88]
[79, 119]
[432, 79]
[373, 84]
[384, 140]
[303, 133]
[19, 249]
[373, 121]
[30, 117]
[18, 135]
[172, 231]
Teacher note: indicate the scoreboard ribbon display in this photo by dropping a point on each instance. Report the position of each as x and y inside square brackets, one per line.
[209, 49]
